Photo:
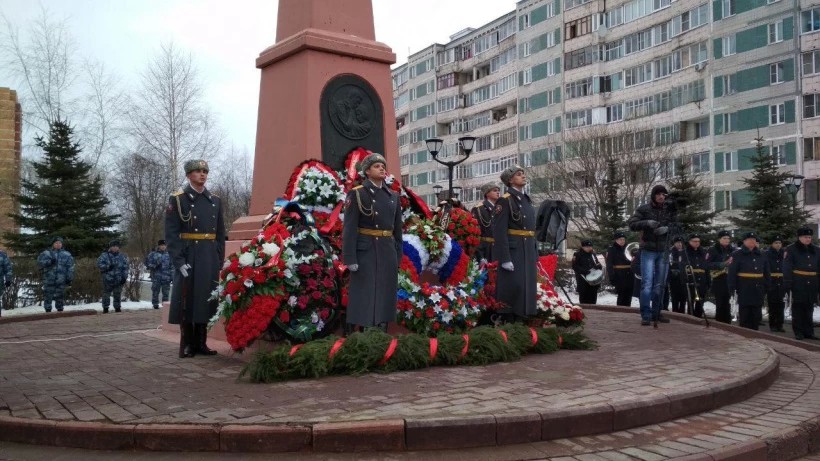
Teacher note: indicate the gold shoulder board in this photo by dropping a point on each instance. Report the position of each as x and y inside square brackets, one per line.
[358, 187]
[506, 195]
[179, 192]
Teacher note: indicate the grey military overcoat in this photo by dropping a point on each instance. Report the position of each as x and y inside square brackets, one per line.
[195, 232]
[515, 214]
[373, 288]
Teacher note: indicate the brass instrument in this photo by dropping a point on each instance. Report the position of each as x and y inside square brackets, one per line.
[628, 250]
[718, 273]
[691, 283]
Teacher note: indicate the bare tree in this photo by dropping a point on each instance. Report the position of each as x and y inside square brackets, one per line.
[232, 181]
[142, 194]
[578, 173]
[169, 118]
[104, 105]
[43, 63]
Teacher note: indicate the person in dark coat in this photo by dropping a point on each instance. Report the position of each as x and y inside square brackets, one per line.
[776, 293]
[162, 273]
[749, 277]
[6, 276]
[113, 265]
[583, 262]
[57, 267]
[720, 257]
[195, 232]
[801, 265]
[694, 256]
[619, 270]
[484, 215]
[514, 247]
[372, 247]
[676, 287]
[653, 220]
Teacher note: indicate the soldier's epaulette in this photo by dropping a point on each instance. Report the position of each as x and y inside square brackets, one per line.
[358, 187]
[506, 195]
[179, 192]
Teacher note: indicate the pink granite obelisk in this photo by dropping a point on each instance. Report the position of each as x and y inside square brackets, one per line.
[318, 43]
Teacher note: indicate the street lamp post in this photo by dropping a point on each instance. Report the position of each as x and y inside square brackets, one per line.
[792, 185]
[434, 147]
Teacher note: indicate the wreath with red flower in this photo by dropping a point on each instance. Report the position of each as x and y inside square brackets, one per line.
[463, 227]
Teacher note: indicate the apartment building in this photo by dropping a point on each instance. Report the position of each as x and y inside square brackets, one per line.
[702, 78]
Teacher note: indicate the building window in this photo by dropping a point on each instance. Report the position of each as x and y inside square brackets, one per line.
[446, 81]
[729, 45]
[810, 21]
[775, 32]
[778, 155]
[811, 149]
[811, 105]
[728, 7]
[615, 113]
[730, 161]
[700, 163]
[776, 73]
[811, 192]
[528, 76]
[727, 123]
[811, 62]
[728, 84]
[777, 114]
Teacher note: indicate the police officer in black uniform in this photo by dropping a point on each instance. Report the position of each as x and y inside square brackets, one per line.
[720, 257]
[749, 276]
[583, 262]
[677, 290]
[801, 263]
[774, 297]
[484, 214]
[618, 269]
[694, 256]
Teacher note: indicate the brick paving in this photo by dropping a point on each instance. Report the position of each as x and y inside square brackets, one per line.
[107, 368]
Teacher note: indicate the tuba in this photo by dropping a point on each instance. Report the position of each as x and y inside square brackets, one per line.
[629, 248]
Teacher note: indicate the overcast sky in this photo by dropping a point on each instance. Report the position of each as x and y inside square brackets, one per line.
[226, 36]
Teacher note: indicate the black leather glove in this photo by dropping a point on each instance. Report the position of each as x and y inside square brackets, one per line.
[652, 224]
[661, 230]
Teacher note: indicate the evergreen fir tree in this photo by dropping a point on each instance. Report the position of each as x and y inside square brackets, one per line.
[65, 200]
[611, 218]
[694, 203]
[770, 211]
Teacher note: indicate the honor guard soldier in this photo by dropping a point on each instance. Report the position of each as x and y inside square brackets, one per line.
[677, 290]
[720, 257]
[514, 247]
[801, 263]
[195, 233]
[372, 247]
[619, 269]
[584, 262]
[776, 293]
[695, 281]
[749, 277]
[57, 266]
[483, 213]
[162, 273]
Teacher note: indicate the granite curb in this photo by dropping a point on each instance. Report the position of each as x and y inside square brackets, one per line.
[46, 316]
[406, 434]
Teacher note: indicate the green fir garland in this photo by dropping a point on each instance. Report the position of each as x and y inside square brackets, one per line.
[375, 350]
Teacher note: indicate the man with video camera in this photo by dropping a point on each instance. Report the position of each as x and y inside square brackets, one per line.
[654, 220]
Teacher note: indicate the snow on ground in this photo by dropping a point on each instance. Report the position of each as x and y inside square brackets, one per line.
[38, 309]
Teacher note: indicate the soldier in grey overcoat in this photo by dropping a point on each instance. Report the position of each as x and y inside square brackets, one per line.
[372, 247]
[483, 213]
[195, 233]
[514, 247]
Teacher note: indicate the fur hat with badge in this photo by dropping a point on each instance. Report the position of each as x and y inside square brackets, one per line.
[487, 188]
[371, 160]
[193, 165]
[506, 175]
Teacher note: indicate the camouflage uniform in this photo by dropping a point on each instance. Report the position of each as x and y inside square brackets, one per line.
[5, 273]
[57, 267]
[162, 272]
[113, 266]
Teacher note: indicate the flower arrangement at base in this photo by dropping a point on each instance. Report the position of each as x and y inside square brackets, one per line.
[283, 280]
[374, 350]
[319, 191]
[552, 310]
[463, 228]
[456, 304]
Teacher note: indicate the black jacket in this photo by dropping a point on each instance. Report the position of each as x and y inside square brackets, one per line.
[639, 221]
[700, 267]
[582, 264]
[805, 259]
[749, 276]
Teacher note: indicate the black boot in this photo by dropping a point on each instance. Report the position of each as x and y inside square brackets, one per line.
[186, 338]
[202, 338]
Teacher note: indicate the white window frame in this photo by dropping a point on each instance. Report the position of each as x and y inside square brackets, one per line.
[814, 20]
[729, 44]
[730, 161]
[776, 30]
[778, 155]
[814, 56]
[727, 4]
[777, 114]
[528, 76]
[727, 123]
[776, 71]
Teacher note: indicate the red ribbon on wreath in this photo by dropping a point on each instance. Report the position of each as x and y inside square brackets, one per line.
[560, 340]
[534, 336]
[433, 348]
[503, 335]
[295, 349]
[466, 346]
[389, 352]
[336, 346]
